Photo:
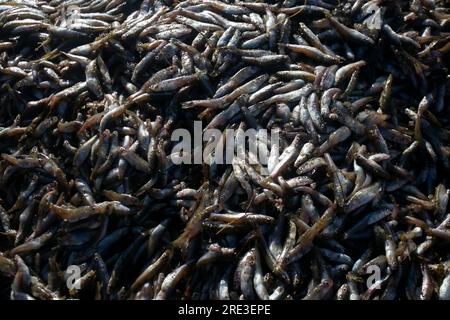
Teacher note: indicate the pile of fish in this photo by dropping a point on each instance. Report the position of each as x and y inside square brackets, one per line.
[354, 203]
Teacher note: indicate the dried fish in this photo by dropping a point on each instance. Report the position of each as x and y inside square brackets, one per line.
[315, 150]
